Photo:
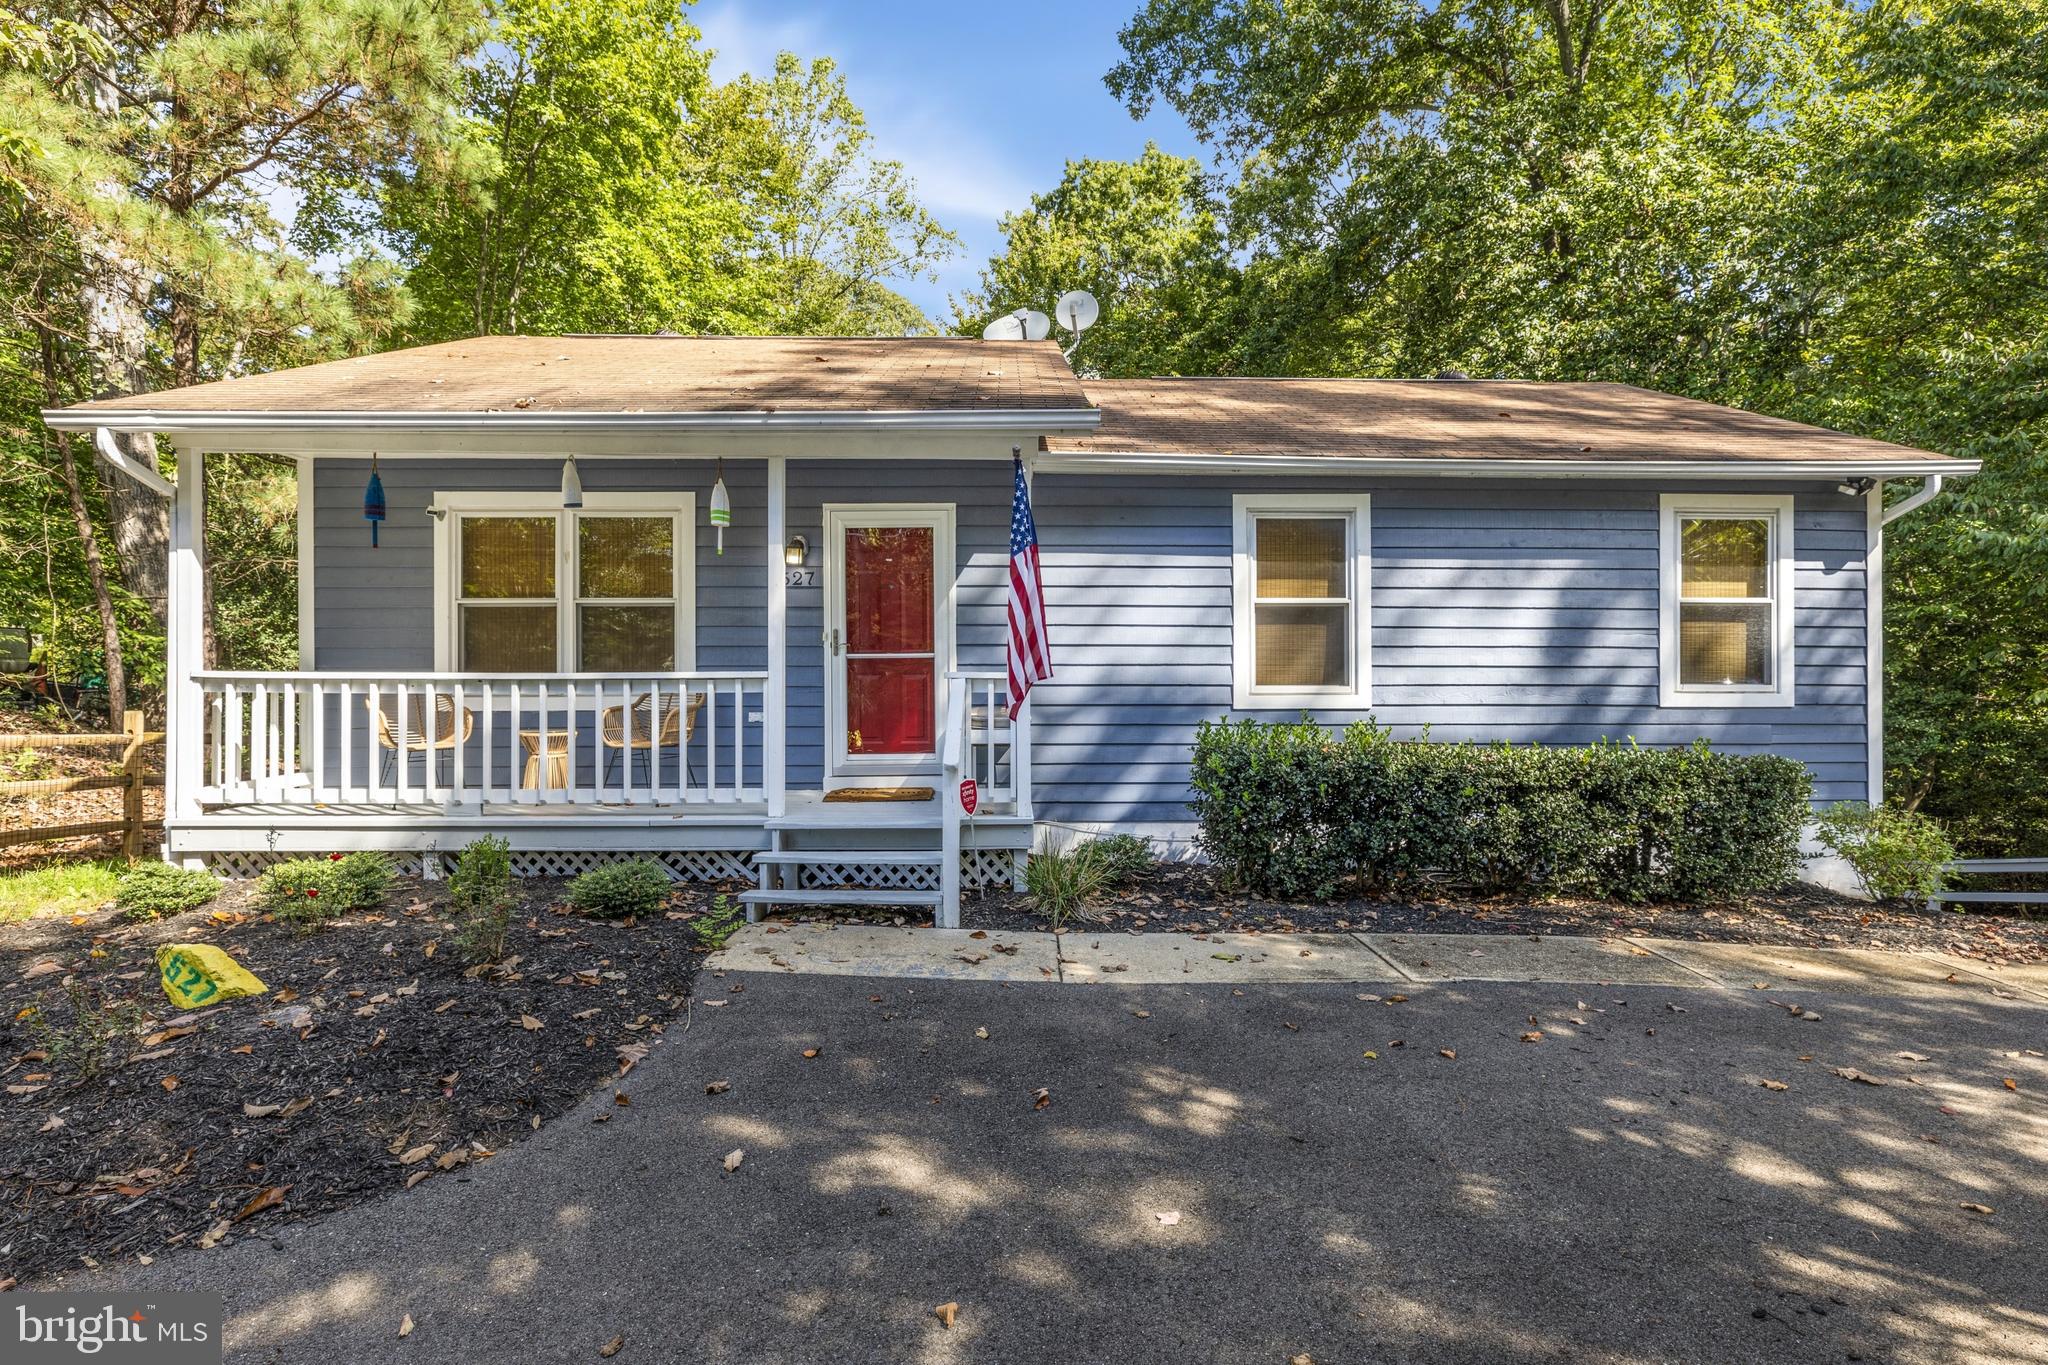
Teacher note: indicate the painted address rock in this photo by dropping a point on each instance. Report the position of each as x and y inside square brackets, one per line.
[196, 974]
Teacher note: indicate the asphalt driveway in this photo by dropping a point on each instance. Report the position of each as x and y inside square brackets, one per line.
[1221, 1173]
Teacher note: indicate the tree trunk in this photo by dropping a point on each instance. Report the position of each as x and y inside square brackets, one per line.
[103, 598]
[88, 538]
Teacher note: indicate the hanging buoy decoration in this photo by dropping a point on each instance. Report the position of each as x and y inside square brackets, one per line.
[373, 501]
[721, 506]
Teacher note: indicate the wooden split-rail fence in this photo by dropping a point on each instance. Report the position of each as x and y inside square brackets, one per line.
[131, 779]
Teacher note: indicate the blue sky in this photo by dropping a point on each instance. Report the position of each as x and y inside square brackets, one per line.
[983, 103]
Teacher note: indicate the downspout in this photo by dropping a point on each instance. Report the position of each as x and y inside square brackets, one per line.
[1929, 491]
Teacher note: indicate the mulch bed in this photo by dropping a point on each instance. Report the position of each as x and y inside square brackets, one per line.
[379, 1058]
[1187, 898]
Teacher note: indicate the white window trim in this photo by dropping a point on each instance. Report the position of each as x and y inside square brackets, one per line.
[682, 506]
[1777, 510]
[1357, 511]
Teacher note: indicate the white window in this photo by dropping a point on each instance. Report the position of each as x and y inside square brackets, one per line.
[1725, 600]
[1301, 584]
[526, 586]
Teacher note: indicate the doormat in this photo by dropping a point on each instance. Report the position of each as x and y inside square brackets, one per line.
[880, 794]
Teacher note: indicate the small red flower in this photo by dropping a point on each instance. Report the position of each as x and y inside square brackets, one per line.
[312, 893]
[336, 857]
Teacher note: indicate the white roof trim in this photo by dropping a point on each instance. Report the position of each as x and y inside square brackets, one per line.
[1909, 466]
[174, 422]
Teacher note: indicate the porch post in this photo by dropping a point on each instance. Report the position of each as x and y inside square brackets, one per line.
[184, 720]
[774, 774]
[305, 558]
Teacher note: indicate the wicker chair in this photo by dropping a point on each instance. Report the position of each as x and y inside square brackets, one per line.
[439, 742]
[678, 728]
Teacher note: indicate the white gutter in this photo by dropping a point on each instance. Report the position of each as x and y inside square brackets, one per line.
[1931, 467]
[174, 422]
[110, 451]
[1929, 491]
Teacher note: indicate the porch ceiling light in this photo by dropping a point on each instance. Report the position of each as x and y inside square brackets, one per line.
[796, 551]
[572, 487]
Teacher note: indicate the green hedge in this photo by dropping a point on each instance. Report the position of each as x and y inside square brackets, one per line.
[1305, 813]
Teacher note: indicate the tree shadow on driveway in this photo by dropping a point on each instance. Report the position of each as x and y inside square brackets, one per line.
[1224, 1174]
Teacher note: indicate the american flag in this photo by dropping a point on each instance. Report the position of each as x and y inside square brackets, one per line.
[1030, 654]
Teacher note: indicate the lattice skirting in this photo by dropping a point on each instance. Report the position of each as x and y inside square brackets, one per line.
[978, 867]
[683, 865]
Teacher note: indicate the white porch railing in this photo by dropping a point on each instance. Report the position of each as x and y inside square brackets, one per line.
[461, 739]
[979, 741]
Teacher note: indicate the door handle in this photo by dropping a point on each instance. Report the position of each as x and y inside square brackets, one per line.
[832, 642]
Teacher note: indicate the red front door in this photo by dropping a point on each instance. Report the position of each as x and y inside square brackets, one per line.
[888, 640]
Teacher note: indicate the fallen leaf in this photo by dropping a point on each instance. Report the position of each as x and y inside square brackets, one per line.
[2012, 1083]
[1041, 1097]
[448, 1161]
[1913, 1057]
[631, 1055]
[734, 1157]
[1533, 1036]
[981, 1033]
[405, 1325]
[416, 1177]
[267, 1199]
[244, 1050]
[1449, 1053]
[1850, 1073]
[212, 1236]
[529, 1023]
[1984, 1209]
[169, 1083]
[810, 1052]
[42, 969]
[51, 1124]
[1774, 1085]
[162, 1036]
[945, 1313]
[417, 1154]
[612, 1347]
[1371, 1056]
[1171, 1218]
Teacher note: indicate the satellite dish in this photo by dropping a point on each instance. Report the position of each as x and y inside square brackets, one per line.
[1004, 328]
[1077, 310]
[1037, 326]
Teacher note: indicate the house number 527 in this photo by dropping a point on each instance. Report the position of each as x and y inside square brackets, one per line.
[802, 578]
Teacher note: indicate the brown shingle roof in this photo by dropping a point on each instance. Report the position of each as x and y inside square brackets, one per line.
[651, 374]
[1449, 420]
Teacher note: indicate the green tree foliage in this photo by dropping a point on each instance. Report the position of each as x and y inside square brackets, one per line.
[1144, 235]
[1828, 212]
[625, 192]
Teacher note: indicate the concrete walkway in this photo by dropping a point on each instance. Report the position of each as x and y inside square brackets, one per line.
[1085, 958]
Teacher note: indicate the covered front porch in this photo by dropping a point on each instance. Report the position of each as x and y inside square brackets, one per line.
[801, 703]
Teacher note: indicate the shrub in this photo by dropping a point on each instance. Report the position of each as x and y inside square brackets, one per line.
[1124, 858]
[1060, 884]
[480, 895]
[311, 891]
[366, 878]
[618, 890]
[150, 890]
[1896, 853]
[1300, 812]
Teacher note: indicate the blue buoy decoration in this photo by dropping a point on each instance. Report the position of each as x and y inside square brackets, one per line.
[373, 502]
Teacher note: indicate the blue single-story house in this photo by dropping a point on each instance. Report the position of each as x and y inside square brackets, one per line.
[738, 604]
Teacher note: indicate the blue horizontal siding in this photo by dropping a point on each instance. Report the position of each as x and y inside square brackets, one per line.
[1525, 613]
[1499, 612]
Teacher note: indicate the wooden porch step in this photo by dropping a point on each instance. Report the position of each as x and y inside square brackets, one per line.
[754, 900]
[797, 857]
